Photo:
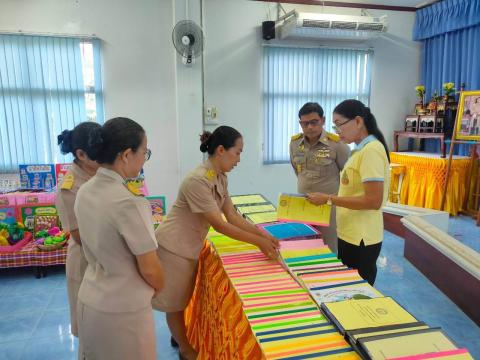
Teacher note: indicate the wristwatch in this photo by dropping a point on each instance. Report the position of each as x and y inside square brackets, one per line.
[329, 200]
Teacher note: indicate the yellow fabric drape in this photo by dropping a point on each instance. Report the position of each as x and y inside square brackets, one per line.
[216, 323]
[424, 182]
[396, 171]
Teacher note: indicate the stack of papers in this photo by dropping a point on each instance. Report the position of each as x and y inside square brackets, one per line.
[296, 207]
[283, 317]
[288, 231]
[366, 313]
[255, 208]
[410, 343]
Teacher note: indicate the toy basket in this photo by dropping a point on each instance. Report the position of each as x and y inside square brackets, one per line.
[52, 246]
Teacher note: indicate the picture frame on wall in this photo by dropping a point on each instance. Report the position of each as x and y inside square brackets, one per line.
[468, 116]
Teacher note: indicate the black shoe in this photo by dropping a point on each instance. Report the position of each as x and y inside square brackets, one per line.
[173, 343]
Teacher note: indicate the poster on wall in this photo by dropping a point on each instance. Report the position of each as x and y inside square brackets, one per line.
[468, 116]
[7, 214]
[37, 177]
[61, 170]
[158, 207]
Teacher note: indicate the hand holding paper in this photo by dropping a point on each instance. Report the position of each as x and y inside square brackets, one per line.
[317, 198]
[296, 208]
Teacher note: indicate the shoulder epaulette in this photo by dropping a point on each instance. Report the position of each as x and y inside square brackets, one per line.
[210, 174]
[297, 136]
[68, 181]
[333, 137]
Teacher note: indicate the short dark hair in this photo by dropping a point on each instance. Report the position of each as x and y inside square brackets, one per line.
[223, 135]
[85, 136]
[310, 107]
[118, 134]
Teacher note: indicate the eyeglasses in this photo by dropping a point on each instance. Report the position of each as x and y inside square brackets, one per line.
[148, 153]
[305, 124]
[337, 127]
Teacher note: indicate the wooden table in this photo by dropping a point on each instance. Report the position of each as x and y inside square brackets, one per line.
[418, 135]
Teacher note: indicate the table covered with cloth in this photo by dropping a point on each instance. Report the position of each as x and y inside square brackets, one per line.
[265, 315]
[30, 255]
[424, 180]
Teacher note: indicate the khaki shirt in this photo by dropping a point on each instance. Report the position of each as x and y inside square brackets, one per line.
[318, 166]
[64, 201]
[183, 232]
[115, 226]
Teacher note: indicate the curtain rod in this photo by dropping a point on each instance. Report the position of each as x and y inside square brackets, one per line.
[35, 33]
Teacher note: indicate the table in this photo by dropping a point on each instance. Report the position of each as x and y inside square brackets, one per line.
[418, 135]
[217, 324]
[30, 255]
[424, 180]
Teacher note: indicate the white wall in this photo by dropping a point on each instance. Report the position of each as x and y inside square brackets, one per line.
[233, 63]
[145, 79]
[138, 65]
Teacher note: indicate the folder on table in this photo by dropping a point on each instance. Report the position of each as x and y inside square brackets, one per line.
[262, 218]
[407, 343]
[366, 313]
[285, 231]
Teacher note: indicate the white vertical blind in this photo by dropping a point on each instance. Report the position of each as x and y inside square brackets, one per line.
[42, 93]
[294, 76]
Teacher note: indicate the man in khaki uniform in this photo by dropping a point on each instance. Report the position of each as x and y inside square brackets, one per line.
[317, 157]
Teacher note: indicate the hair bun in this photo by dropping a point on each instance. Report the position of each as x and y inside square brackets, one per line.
[95, 142]
[205, 139]
[65, 141]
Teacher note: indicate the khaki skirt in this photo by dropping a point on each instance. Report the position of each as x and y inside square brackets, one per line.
[102, 335]
[180, 274]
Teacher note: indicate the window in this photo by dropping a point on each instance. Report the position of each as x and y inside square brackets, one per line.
[294, 76]
[47, 84]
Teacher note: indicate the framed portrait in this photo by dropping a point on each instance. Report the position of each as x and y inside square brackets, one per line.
[468, 116]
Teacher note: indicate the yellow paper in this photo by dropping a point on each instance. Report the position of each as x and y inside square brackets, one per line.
[255, 209]
[407, 345]
[298, 208]
[248, 199]
[391, 331]
[363, 313]
[261, 218]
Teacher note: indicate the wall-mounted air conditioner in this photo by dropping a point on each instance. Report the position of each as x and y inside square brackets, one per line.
[331, 26]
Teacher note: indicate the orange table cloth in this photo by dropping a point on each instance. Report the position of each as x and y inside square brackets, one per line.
[424, 181]
[216, 323]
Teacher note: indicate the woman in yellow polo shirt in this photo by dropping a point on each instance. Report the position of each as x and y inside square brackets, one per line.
[364, 183]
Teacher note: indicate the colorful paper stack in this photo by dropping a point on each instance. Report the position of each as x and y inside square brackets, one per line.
[255, 208]
[322, 273]
[283, 317]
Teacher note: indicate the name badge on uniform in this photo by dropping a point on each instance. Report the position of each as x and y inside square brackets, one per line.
[322, 154]
[345, 180]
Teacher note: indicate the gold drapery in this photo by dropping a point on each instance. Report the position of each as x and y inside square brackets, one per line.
[424, 181]
[216, 323]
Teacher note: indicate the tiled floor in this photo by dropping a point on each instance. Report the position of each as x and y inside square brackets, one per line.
[463, 229]
[34, 319]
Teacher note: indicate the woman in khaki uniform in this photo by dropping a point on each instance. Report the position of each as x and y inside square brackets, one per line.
[115, 318]
[202, 198]
[77, 142]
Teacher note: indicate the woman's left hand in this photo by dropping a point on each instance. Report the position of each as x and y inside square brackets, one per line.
[317, 198]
